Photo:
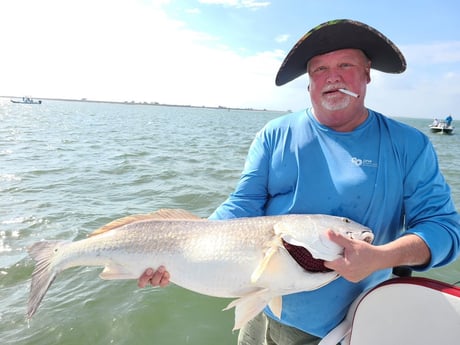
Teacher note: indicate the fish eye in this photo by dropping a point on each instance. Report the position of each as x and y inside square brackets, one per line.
[346, 220]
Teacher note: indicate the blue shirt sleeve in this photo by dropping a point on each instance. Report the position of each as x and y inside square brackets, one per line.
[429, 209]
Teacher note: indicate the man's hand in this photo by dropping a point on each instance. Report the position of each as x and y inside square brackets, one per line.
[359, 258]
[160, 277]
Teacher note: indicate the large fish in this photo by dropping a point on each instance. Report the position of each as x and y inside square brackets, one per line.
[256, 259]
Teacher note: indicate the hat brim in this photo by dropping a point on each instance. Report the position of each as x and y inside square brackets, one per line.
[341, 34]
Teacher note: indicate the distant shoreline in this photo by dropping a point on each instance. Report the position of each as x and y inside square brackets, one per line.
[85, 100]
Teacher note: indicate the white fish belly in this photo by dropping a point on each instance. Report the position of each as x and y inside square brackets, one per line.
[205, 259]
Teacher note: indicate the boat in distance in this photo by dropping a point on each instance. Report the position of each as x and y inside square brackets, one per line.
[26, 100]
[442, 126]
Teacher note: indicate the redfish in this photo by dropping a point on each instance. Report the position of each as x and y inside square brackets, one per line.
[256, 260]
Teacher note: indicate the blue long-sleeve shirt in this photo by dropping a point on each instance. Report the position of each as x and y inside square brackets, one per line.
[384, 174]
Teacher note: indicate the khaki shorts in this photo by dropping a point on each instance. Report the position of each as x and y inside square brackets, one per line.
[263, 330]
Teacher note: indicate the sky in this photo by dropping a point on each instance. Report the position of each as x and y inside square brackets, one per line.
[218, 52]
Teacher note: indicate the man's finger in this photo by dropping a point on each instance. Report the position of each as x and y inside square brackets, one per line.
[144, 279]
[165, 279]
[337, 238]
[155, 280]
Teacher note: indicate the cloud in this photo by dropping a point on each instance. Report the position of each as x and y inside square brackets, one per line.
[137, 52]
[433, 53]
[428, 88]
[193, 10]
[133, 52]
[282, 38]
[81, 50]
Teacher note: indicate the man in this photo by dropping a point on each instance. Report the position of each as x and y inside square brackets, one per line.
[341, 158]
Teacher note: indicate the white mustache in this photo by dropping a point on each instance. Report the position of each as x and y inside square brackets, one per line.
[330, 88]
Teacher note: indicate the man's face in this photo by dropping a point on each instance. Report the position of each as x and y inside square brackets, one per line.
[345, 68]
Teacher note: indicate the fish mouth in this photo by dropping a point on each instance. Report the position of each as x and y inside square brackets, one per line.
[304, 258]
[366, 236]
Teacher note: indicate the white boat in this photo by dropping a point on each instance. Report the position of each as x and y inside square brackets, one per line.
[26, 100]
[408, 310]
[442, 126]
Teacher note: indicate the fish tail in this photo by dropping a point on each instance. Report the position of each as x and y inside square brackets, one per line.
[44, 272]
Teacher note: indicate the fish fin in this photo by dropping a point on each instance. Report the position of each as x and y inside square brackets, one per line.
[267, 262]
[44, 274]
[248, 306]
[276, 306]
[118, 223]
[162, 214]
[174, 214]
[114, 271]
[270, 263]
[263, 265]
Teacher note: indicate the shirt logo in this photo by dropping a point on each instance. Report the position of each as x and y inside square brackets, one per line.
[363, 162]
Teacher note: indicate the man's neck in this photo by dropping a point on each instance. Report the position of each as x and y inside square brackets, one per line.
[342, 121]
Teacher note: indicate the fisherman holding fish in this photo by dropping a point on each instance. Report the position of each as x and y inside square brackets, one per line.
[341, 158]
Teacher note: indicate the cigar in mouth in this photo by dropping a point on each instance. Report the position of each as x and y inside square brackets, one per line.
[349, 93]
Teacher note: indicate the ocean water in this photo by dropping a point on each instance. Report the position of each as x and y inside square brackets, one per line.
[67, 168]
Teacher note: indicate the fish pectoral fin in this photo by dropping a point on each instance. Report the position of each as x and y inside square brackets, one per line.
[249, 305]
[115, 271]
[263, 265]
[276, 306]
[273, 266]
